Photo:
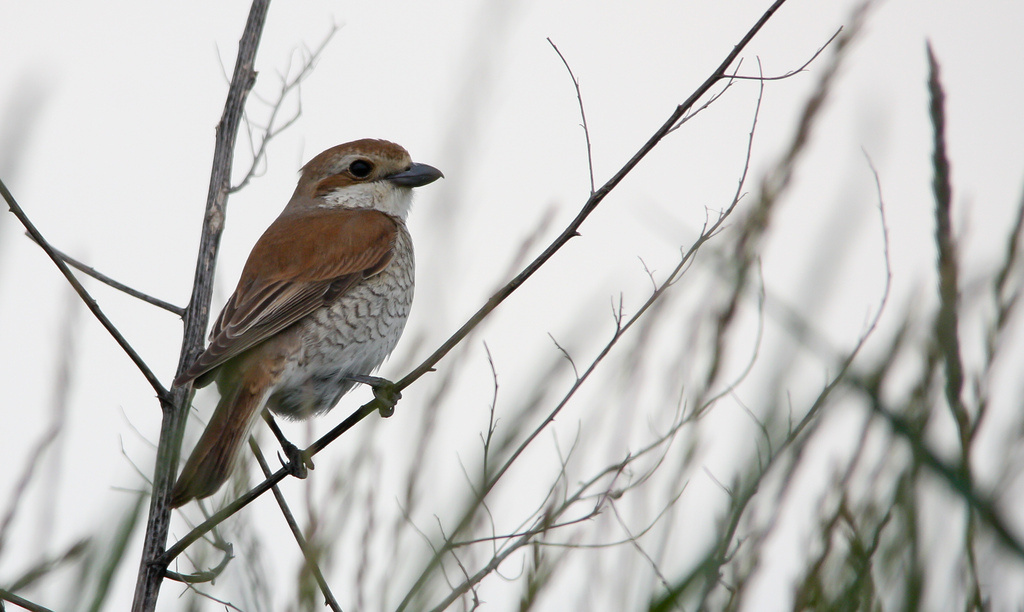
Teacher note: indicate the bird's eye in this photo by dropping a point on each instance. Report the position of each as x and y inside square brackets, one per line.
[360, 168]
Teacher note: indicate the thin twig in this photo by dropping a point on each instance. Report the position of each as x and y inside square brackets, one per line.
[293, 525]
[567, 234]
[773, 187]
[621, 328]
[22, 602]
[583, 114]
[218, 517]
[206, 575]
[711, 99]
[796, 71]
[286, 87]
[103, 278]
[154, 382]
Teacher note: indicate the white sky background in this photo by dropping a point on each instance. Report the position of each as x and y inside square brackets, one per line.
[107, 116]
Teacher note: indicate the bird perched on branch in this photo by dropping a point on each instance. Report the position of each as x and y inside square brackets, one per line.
[321, 302]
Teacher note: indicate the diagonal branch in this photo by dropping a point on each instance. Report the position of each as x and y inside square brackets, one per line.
[428, 364]
[622, 327]
[161, 392]
[21, 602]
[567, 234]
[307, 552]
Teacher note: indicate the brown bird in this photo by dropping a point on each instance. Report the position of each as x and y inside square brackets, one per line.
[322, 301]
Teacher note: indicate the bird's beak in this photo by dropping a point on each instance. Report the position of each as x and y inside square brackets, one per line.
[417, 175]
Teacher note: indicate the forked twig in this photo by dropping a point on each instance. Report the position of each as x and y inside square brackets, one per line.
[287, 86]
[795, 71]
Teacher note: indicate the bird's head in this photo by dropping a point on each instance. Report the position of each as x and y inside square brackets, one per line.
[364, 173]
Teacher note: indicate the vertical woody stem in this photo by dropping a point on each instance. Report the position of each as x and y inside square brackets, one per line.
[175, 412]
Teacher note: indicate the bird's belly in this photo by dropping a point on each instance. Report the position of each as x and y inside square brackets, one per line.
[351, 337]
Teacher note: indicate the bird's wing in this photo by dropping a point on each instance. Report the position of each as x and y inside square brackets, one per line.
[299, 264]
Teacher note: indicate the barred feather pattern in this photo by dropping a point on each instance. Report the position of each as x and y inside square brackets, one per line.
[351, 336]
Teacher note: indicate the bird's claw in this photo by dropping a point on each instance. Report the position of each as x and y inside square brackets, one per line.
[383, 389]
[295, 461]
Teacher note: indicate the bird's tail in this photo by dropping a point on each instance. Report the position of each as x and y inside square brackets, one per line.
[213, 458]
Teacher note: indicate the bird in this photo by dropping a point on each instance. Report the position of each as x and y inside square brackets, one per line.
[321, 302]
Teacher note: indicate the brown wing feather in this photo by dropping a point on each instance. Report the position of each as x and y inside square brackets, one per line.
[300, 263]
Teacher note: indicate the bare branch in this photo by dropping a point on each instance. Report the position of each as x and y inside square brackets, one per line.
[153, 565]
[567, 356]
[592, 203]
[810, 61]
[583, 114]
[103, 278]
[22, 602]
[154, 382]
[287, 86]
[567, 234]
[293, 526]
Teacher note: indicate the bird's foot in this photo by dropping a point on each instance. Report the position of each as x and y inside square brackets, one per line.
[383, 389]
[294, 460]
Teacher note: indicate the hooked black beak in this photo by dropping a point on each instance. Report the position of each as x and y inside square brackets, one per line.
[417, 175]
